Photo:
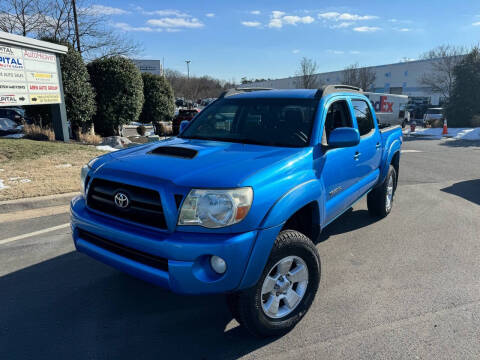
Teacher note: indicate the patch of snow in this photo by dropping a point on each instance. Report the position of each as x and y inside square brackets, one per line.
[20, 180]
[469, 134]
[2, 185]
[105, 148]
[62, 166]
[2, 169]
[456, 133]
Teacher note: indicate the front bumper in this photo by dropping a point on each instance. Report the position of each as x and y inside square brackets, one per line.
[188, 254]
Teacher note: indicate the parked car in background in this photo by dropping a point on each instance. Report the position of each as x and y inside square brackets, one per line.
[236, 203]
[8, 127]
[183, 114]
[432, 115]
[14, 114]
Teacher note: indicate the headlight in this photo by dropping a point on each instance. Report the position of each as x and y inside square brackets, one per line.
[215, 208]
[83, 177]
[84, 173]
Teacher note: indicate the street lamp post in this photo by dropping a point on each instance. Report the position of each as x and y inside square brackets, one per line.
[75, 20]
[188, 75]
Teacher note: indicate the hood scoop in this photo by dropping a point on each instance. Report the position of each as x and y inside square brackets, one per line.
[175, 151]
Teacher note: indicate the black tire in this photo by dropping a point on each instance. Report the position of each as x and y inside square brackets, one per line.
[377, 198]
[249, 302]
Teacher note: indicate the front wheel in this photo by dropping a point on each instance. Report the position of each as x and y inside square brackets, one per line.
[380, 200]
[285, 290]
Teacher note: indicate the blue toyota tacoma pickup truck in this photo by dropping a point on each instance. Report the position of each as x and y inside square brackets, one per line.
[236, 202]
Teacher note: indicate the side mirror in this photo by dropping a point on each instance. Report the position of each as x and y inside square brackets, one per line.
[183, 125]
[343, 137]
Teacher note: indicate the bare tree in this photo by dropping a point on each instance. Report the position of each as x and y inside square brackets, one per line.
[54, 19]
[307, 78]
[362, 77]
[21, 16]
[443, 59]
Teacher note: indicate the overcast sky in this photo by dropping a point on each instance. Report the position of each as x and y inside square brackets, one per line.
[261, 39]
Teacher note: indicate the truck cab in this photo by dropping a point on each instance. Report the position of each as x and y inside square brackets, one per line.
[236, 202]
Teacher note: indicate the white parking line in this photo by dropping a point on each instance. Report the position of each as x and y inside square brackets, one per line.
[410, 151]
[35, 233]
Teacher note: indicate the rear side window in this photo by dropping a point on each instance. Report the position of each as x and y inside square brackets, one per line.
[364, 116]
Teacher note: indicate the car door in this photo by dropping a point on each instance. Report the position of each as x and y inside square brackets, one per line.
[337, 166]
[369, 151]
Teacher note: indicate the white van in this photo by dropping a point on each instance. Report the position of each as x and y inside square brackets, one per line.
[390, 109]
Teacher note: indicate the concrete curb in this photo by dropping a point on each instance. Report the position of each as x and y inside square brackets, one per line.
[36, 202]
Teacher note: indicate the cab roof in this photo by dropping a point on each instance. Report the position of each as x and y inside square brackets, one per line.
[255, 93]
[276, 93]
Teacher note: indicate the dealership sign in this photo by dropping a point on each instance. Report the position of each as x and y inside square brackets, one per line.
[28, 77]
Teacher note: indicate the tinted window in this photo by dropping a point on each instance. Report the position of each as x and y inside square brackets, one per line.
[273, 122]
[338, 115]
[364, 116]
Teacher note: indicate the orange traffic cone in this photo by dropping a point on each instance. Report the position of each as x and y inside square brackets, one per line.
[445, 127]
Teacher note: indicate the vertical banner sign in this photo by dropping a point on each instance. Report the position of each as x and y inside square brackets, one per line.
[28, 77]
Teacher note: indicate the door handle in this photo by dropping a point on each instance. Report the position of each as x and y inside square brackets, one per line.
[378, 146]
[356, 156]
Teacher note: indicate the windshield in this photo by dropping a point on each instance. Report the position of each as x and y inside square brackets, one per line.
[271, 122]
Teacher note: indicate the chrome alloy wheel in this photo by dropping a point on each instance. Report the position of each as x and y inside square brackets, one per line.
[284, 287]
[389, 197]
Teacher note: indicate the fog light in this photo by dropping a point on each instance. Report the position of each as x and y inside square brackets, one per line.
[218, 264]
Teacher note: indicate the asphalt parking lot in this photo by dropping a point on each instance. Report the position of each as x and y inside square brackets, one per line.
[406, 287]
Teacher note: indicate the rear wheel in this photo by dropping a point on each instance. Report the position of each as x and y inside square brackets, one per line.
[285, 290]
[380, 200]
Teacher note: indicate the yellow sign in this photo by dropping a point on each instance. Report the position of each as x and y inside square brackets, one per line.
[44, 98]
[42, 76]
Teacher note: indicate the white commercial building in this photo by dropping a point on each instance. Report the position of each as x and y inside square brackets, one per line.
[400, 78]
[149, 66]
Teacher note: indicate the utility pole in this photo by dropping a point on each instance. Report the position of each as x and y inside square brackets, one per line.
[188, 76]
[188, 68]
[75, 19]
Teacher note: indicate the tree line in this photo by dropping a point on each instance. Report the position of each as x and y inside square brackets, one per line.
[195, 88]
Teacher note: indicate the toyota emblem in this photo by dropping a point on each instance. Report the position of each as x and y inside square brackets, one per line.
[121, 200]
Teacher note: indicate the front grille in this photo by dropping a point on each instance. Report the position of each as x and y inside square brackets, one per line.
[144, 207]
[124, 251]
